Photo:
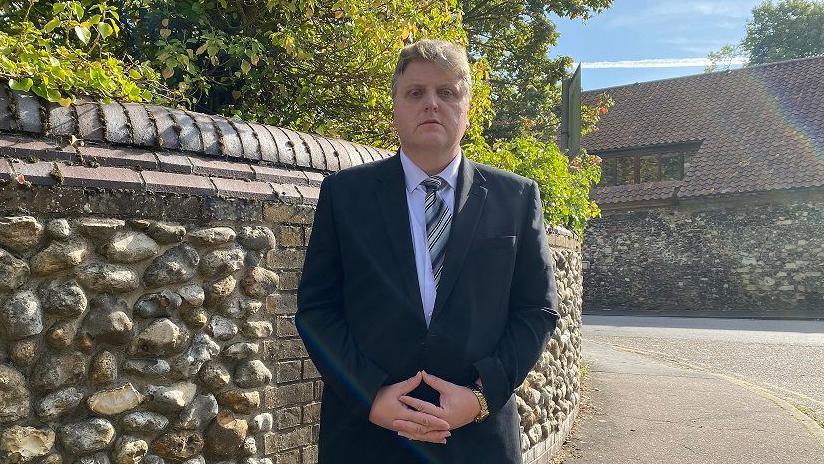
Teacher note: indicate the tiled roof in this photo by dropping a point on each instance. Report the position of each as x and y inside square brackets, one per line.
[762, 129]
[154, 148]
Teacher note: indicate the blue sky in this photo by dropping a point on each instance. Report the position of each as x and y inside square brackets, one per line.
[632, 31]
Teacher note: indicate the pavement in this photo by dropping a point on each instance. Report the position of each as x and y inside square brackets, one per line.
[648, 409]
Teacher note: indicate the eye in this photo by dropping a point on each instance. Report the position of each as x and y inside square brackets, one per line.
[415, 93]
[447, 93]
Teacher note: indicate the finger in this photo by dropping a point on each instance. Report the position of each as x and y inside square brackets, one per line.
[428, 421]
[423, 406]
[415, 431]
[411, 383]
[427, 437]
[437, 383]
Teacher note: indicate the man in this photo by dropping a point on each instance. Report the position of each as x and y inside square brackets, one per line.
[427, 292]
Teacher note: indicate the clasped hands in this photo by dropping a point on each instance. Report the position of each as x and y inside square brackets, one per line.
[420, 420]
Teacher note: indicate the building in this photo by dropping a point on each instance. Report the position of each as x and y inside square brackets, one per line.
[712, 192]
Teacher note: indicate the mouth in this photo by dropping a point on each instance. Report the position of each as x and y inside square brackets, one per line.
[430, 121]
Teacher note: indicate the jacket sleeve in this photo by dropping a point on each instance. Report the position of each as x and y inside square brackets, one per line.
[320, 317]
[533, 310]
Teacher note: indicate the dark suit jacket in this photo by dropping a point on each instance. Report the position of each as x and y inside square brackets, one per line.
[360, 313]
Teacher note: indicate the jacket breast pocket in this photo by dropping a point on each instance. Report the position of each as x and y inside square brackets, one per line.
[502, 241]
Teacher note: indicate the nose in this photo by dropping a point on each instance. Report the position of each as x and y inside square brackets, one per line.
[431, 101]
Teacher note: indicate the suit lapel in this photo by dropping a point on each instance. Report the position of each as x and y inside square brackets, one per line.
[391, 195]
[469, 202]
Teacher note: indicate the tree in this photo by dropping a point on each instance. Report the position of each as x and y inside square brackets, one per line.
[784, 30]
[776, 31]
[515, 36]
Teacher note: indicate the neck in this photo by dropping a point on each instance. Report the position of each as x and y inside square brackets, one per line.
[429, 162]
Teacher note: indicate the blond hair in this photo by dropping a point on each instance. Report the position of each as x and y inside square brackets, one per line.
[447, 55]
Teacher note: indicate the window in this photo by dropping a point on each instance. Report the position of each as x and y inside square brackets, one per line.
[646, 164]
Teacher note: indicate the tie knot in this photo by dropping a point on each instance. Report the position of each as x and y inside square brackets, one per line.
[433, 183]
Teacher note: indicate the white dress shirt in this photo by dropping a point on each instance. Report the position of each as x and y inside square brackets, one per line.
[415, 196]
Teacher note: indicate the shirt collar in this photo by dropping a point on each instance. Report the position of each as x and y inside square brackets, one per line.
[414, 175]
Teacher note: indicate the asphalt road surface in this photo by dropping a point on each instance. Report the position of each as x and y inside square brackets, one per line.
[784, 357]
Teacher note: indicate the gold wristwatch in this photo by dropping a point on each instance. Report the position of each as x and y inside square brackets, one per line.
[484, 412]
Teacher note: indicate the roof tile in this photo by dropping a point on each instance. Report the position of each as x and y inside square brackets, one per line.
[125, 157]
[101, 177]
[221, 168]
[244, 188]
[117, 125]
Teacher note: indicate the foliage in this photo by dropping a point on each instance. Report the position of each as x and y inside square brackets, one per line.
[320, 66]
[63, 53]
[778, 31]
[724, 58]
[784, 30]
[564, 183]
[515, 36]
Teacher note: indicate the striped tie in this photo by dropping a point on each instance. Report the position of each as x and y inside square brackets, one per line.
[438, 219]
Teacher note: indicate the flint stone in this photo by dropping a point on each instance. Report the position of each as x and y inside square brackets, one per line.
[97, 458]
[87, 436]
[115, 401]
[252, 374]
[103, 369]
[108, 320]
[195, 318]
[54, 371]
[178, 445]
[153, 459]
[161, 338]
[147, 367]
[166, 233]
[214, 375]
[192, 295]
[257, 329]
[249, 447]
[160, 304]
[130, 247]
[20, 232]
[52, 459]
[241, 402]
[199, 459]
[129, 450]
[59, 229]
[23, 352]
[58, 403]
[59, 256]
[23, 444]
[64, 300]
[103, 277]
[203, 349]
[176, 265]
[99, 228]
[61, 334]
[171, 398]
[222, 262]
[226, 434]
[14, 396]
[262, 422]
[259, 282]
[212, 236]
[198, 413]
[21, 316]
[13, 272]
[256, 237]
[219, 290]
[241, 350]
[222, 328]
[144, 422]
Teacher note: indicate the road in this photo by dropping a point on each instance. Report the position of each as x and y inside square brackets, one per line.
[784, 357]
[700, 390]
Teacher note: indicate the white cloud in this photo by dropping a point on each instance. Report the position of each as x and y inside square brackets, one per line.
[655, 63]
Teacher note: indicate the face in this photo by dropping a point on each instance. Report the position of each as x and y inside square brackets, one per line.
[430, 109]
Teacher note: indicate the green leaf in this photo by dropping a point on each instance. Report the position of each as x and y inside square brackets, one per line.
[245, 67]
[134, 74]
[51, 25]
[53, 95]
[58, 7]
[23, 85]
[78, 10]
[105, 30]
[83, 33]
